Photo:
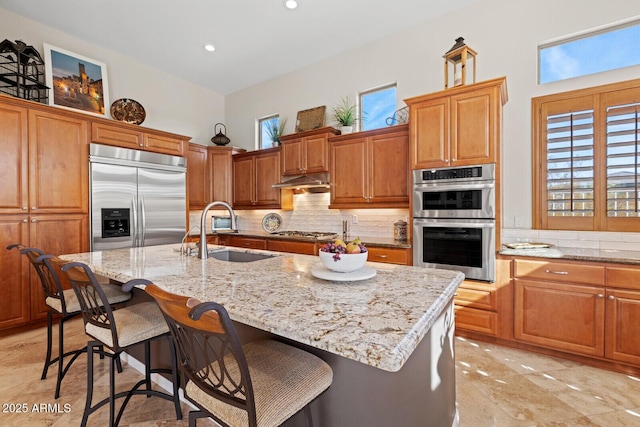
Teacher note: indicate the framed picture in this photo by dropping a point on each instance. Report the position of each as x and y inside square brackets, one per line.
[77, 82]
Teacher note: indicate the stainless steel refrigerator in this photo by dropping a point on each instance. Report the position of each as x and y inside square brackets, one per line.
[138, 198]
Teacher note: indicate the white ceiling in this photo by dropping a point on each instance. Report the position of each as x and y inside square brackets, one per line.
[255, 40]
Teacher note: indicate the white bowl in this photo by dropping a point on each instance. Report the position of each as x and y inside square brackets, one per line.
[346, 263]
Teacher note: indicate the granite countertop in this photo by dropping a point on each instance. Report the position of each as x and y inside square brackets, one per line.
[378, 321]
[578, 254]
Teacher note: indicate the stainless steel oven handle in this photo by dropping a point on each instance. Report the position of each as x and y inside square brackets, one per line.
[446, 223]
[458, 186]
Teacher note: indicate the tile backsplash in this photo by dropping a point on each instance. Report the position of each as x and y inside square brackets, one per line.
[311, 213]
[574, 239]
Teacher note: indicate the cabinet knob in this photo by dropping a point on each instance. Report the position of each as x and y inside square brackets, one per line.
[600, 296]
[24, 208]
[33, 208]
[611, 297]
[24, 220]
[33, 220]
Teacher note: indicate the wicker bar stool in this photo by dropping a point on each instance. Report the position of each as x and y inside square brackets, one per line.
[119, 330]
[262, 383]
[62, 302]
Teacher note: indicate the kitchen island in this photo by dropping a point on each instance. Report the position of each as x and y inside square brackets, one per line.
[389, 339]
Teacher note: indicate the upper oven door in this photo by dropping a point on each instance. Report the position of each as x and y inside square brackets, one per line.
[454, 200]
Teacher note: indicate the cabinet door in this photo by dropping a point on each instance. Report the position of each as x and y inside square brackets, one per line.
[292, 157]
[58, 163]
[317, 154]
[243, 182]
[15, 160]
[197, 176]
[55, 234]
[555, 315]
[220, 175]
[622, 339]
[267, 173]
[114, 135]
[430, 133]
[164, 144]
[389, 170]
[349, 172]
[14, 280]
[474, 127]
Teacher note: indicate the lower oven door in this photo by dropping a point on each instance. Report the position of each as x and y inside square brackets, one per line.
[466, 245]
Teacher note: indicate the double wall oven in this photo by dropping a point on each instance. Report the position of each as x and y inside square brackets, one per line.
[454, 220]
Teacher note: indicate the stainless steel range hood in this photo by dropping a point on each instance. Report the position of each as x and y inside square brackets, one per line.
[318, 182]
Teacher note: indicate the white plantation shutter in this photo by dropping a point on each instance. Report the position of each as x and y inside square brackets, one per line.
[623, 123]
[570, 163]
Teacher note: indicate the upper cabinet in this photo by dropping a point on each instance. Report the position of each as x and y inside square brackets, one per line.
[209, 174]
[254, 174]
[138, 138]
[458, 126]
[306, 152]
[370, 169]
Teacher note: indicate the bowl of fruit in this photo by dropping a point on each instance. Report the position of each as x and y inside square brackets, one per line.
[343, 257]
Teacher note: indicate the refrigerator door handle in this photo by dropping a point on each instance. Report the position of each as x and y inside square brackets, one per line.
[134, 209]
[143, 217]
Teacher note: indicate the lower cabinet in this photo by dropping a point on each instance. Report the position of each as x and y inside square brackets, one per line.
[390, 255]
[292, 246]
[582, 308]
[242, 242]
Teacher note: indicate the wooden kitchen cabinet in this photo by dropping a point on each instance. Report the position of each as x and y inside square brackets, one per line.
[622, 322]
[370, 169]
[254, 173]
[210, 174]
[306, 152]
[459, 126]
[388, 255]
[45, 200]
[242, 241]
[138, 138]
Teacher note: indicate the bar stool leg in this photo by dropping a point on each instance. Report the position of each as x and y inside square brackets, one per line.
[175, 378]
[60, 355]
[47, 361]
[87, 405]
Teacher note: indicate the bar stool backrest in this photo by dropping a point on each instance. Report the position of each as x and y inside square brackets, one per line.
[203, 335]
[49, 278]
[96, 309]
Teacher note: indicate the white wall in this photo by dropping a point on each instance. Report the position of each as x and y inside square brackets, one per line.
[171, 104]
[505, 33]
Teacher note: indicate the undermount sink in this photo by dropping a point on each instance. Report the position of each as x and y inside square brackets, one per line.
[237, 256]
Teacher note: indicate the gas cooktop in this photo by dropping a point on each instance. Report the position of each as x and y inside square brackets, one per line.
[317, 235]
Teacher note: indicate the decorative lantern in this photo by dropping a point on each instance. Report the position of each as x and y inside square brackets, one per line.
[22, 71]
[459, 61]
[220, 138]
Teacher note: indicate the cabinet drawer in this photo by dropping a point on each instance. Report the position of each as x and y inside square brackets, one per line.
[560, 272]
[477, 295]
[473, 319]
[388, 255]
[243, 242]
[623, 277]
[113, 135]
[306, 248]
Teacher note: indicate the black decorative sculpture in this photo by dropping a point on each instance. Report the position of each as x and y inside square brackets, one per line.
[220, 138]
[22, 72]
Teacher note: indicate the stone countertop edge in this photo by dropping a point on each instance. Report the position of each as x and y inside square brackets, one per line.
[389, 242]
[578, 254]
[395, 309]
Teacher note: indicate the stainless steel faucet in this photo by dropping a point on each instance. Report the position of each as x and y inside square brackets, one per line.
[202, 246]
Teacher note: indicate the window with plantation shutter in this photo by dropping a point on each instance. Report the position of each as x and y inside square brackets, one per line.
[622, 160]
[586, 170]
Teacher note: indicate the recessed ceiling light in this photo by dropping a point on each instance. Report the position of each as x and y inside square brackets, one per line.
[209, 47]
[291, 4]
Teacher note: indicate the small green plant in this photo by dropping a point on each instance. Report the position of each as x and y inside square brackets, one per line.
[275, 129]
[344, 114]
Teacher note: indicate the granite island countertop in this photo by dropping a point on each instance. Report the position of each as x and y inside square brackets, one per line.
[577, 254]
[379, 321]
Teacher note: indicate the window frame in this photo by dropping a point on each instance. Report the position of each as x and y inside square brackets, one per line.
[599, 98]
[360, 103]
[259, 123]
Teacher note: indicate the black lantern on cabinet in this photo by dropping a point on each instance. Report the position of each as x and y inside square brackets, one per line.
[459, 62]
[220, 138]
[22, 71]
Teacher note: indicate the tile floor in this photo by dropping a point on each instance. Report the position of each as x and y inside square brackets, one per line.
[496, 386]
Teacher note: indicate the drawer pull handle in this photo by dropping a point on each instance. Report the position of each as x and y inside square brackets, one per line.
[381, 256]
[556, 272]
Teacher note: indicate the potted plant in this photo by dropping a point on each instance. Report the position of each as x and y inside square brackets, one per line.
[344, 115]
[275, 129]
